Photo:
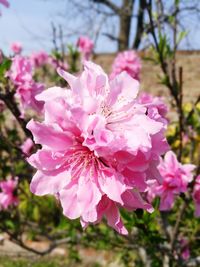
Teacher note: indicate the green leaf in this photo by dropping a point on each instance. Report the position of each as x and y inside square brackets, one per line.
[5, 66]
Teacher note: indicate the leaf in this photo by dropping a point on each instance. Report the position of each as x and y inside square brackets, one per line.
[5, 66]
[181, 36]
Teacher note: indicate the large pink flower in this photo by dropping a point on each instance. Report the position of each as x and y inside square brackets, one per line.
[86, 46]
[196, 196]
[7, 197]
[176, 177]
[99, 147]
[127, 61]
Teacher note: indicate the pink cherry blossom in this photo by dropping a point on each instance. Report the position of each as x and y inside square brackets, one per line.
[176, 177]
[7, 197]
[27, 146]
[16, 47]
[196, 196]
[99, 147]
[5, 3]
[26, 94]
[21, 74]
[55, 63]
[39, 59]
[154, 102]
[185, 251]
[127, 61]
[86, 46]
[21, 70]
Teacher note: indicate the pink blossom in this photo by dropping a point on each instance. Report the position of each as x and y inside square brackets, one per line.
[7, 197]
[26, 94]
[5, 3]
[21, 70]
[127, 61]
[39, 59]
[27, 146]
[55, 63]
[86, 46]
[185, 251]
[21, 74]
[196, 196]
[154, 102]
[176, 177]
[16, 47]
[99, 147]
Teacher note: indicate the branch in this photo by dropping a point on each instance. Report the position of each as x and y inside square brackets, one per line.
[109, 4]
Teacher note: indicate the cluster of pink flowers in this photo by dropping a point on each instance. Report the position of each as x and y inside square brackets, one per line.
[196, 196]
[7, 196]
[100, 146]
[86, 46]
[176, 177]
[21, 74]
[127, 61]
[39, 59]
[4, 3]
[16, 48]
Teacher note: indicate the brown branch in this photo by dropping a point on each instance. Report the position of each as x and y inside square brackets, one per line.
[109, 4]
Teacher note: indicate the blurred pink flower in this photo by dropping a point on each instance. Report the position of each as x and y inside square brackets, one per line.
[86, 46]
[7, 197]
[127, 61]
[26, 94]
[39, 59]
[27, 146]
[21, 70]
[16, 47]
[21, 74]
[5, 3]
[99, 147]
[185, 251]
[196, 196]
[176, 177]
[55, 63]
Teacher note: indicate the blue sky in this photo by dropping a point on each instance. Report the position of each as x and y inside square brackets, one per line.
[29, 21]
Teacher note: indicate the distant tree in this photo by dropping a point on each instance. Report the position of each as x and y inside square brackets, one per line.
[127, 22]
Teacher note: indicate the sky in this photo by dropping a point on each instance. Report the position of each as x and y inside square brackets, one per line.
[29, 21]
